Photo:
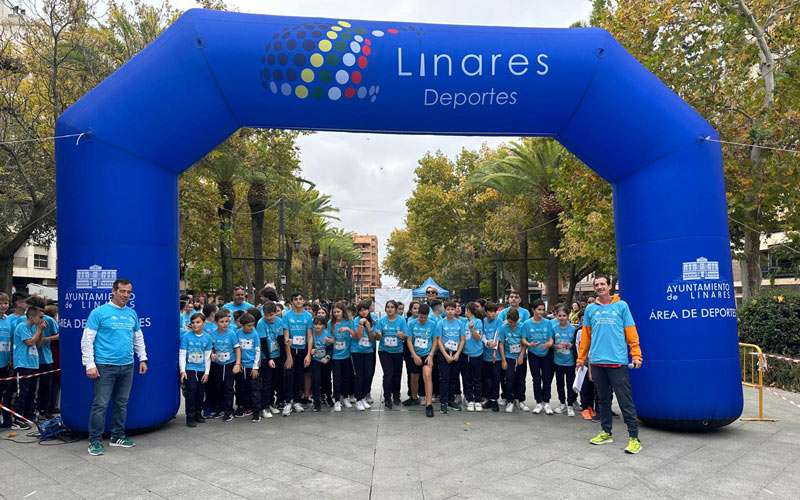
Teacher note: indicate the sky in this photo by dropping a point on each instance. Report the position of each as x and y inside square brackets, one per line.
[373, 201]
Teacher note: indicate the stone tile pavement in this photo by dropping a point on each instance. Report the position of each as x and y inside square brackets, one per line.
[401, 454]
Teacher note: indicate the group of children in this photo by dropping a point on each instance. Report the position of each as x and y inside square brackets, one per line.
[272, 361]
[27, 337]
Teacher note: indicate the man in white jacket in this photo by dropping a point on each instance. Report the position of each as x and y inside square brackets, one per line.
[111, 337]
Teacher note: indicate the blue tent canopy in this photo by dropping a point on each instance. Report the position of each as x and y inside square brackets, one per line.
[430, 282]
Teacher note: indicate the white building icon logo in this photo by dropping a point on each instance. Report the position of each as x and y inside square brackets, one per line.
[95, 277]
[701, 269]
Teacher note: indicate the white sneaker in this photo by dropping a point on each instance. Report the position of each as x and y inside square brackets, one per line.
[264, 413]
[470, 406]
[369, 400]
[548, 409]
[522, 406]
[287, 410]
[367, 404]
[510, 407]
[537, 409]
[478, 407]
[274, 410]
[337, 406]
[299, 408]
[347, 403]
[501, 402]
[560, 408]
[360, 405]
[570, 411]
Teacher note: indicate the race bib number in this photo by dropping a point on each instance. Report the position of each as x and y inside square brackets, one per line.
[564, 351]
[421, 342]
[195, 357]
[515, 348]
[390, 341]
[298, 340]
[451, 345]
[222, 357]
[363, 341]
[246, 344]
[273, 346]
[33, 351]
[319, 353]
[5, 346]
[339, 345]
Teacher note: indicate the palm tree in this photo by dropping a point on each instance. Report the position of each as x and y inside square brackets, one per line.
[529, 169]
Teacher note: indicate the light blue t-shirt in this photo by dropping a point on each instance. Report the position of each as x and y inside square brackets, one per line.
[196, 347]
[244, 307]
[511, 339]
[320, 348]
[540, 332]
[298, 325]
[6, 335]
[422, 336]
[209, 327]
[472, 347]
[563, 356]
[362, 345]
[451, 332]
[25, 356]
[184, 318]
[14, 320]
[524, 314]
[271, 332]
[250, 344]
[490, 333]
[341, 338]
[115, 327]
[45, 352]
[225, 344]
[390, 342]
[608, 323]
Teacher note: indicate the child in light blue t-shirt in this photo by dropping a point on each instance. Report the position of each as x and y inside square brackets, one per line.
[564, 361]
[194, 360]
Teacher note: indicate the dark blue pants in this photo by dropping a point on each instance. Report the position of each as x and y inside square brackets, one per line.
[392, 364]
[248, 390]
[342, 378]
[44, 394]
[542, 373]
[472, 378]
[114, 386]
[362, 364]
[293, 379]
[193, 393]
[514, 388]
[26, 403]
[7, 390]
[606, 380]
[219, 389]
[565, 375]
[448, 377]
[268, 377]
[491, 380]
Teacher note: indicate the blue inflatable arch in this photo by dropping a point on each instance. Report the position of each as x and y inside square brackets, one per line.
[211, 73]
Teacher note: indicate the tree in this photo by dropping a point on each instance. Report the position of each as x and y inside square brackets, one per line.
[735, 61]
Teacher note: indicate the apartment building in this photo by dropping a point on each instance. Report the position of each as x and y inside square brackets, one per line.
[366, 273]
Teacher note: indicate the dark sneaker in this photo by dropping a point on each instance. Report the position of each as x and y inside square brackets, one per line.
[96, 448]
[411, 402]
[122, 442]
[455, 406]
[256, 417]
[329, 401]
[317, 407]
[443, 408]
[429, 411]
[19, 425]
[199, 418]
[227, 418]
[305, 401]
[210, 414]
[387, 403]
[396, 400]
[493, 405]
[247, 412]
[190, 422]
[239, 412]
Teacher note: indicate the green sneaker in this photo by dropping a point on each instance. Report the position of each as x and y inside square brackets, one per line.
[96, 448]
[634, 446]
[122, 442]
[602, 438]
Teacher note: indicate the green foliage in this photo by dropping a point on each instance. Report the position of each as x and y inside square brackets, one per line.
[771, 322]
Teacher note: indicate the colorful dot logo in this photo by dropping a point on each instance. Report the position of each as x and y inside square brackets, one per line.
[323, 61]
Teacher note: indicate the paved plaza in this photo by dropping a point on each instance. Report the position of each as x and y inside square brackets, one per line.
[401, 454]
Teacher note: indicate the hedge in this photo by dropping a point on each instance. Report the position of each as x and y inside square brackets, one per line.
[772, 322]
